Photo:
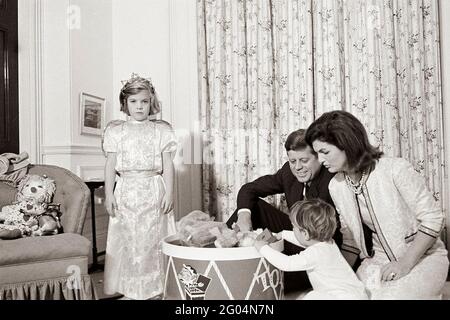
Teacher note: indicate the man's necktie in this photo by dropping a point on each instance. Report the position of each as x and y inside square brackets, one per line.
[305, 190]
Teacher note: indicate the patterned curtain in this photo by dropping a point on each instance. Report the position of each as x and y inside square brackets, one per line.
[380, 61]
[270, 67]
[256, 87]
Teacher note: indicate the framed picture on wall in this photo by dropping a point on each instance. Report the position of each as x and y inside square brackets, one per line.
[92, 114]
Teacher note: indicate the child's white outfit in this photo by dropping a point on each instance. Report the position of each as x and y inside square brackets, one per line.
[134, 262]
[329, 273]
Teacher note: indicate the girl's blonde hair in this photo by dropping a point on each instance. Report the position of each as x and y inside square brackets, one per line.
[135, 85]
[316, 216]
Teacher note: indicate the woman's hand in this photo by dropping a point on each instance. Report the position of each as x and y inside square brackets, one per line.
[167, 203]
[111, 205]
[394, 270]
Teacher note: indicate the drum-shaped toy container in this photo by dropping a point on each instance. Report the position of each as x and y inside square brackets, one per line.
[239, 273]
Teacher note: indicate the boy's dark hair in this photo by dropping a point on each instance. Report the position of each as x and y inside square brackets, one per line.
[316, 216]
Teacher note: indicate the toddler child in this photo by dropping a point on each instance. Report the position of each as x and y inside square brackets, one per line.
[314, 224]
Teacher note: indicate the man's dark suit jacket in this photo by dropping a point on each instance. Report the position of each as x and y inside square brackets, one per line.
[285, 182]
[264, 215]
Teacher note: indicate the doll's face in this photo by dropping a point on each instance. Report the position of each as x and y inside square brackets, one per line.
[139, 105]
[35, 189]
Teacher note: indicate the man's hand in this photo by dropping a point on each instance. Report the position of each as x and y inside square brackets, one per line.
[244, 221]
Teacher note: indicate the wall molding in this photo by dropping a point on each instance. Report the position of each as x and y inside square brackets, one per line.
[91, 172]
[31, 35]
[39, 83]
[183, 78]
[73, 149]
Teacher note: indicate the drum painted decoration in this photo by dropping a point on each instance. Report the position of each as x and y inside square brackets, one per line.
[239, 273]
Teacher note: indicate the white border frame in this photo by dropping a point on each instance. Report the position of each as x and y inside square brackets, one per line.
[88, 130]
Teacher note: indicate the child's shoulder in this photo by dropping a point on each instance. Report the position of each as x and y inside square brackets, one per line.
[163, 125]
[112, 127]
[114, 123]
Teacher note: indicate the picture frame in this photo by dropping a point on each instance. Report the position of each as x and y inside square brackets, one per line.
[92, 114]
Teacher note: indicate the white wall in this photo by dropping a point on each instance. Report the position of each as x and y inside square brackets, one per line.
[184, 101]
[91, 65]
[30, 101]
[57, 61]
[158, 39]
[91, 59]
[113, 39]
[141, 44]
[56, 75]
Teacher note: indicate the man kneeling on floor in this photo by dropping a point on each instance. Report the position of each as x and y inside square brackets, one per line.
[301, 177]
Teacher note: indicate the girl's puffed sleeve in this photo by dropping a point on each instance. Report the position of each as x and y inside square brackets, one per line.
[110, 138]
[168, 138]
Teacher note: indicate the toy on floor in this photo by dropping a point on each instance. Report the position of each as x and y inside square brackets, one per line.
[225, 238]
[30, 214]
[198, 229]
[194, 229]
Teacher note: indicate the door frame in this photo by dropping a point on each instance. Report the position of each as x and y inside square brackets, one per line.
[30, 34]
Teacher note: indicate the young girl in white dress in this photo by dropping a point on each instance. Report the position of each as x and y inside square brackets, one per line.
[140, 153]
[332, 278]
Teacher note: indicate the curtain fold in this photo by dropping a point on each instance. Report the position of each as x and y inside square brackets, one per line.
[392, 80]
[268, 67]
[255, 72]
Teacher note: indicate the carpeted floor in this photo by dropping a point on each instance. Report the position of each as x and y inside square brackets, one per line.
[295, 295]
[97, 277]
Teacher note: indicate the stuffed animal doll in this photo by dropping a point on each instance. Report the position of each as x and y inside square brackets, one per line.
[28, 215]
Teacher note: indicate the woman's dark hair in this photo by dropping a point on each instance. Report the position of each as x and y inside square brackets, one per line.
[346, 132]
[296, 141]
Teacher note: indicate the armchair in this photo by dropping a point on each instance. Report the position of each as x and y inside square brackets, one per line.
[49, 267]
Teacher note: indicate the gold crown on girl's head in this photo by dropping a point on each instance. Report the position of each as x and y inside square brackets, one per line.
[134, 78]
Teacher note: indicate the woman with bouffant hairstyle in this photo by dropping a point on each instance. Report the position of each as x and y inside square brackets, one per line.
[347, 133]
[405, 258]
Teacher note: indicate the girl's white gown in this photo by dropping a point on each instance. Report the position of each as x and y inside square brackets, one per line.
[134, 262]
